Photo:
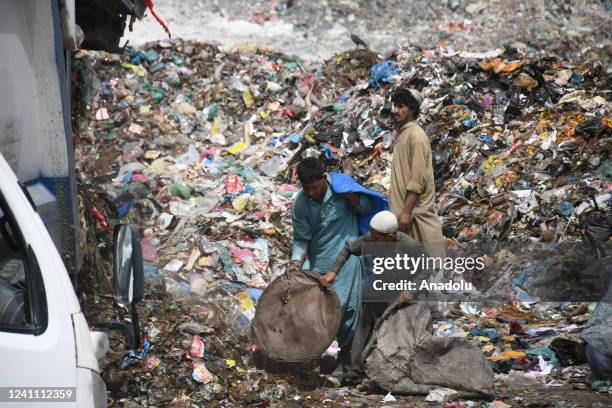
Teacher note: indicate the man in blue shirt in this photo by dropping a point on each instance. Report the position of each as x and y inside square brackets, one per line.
[323, 221]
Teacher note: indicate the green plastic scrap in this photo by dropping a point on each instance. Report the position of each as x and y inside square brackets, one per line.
[602, 385]
[229, 266]
[213, 110]
[157, 94]
[546, 353]
[339, 107]
[247, 174]
[604, 171]
[179, 190]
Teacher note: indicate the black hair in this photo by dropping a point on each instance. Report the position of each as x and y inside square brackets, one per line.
[403, 97]
[310, 169]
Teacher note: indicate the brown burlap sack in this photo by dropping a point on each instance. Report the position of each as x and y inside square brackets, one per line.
[296, 319]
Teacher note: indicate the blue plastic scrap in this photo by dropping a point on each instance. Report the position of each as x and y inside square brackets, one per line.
[486, 138]
[295, 138]
[343, 183]
[255, 294]
[490, 333]
[124, 209]
[383, 73]
[469, 122]
[327, 151]
[522, 278]
[141, 355]
[564, 209]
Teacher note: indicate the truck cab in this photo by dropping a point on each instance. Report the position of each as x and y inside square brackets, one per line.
[47, 349]
[45, 340]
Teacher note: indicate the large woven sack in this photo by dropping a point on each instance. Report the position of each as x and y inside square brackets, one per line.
[402, 356]
[296, 319]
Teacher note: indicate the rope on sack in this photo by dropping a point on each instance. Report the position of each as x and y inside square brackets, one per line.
[158, 18]
[286, 277]
[286, 296]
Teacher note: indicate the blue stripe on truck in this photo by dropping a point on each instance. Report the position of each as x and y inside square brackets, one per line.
[65, 188]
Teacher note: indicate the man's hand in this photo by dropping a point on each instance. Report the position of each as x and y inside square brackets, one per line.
[327, 279]
[405, 297]
[294, 266]
[404, 221]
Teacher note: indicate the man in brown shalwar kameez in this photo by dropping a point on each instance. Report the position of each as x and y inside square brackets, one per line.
[412, 196]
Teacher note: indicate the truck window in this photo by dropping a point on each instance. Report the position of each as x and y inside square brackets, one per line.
[16, 295]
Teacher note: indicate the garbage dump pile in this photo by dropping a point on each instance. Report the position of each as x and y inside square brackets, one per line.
[198, 146]
[320, 28]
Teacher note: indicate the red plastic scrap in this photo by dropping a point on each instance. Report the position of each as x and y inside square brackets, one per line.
[233, 184]
[101, 220]
[455, 405]
[377, 151]
[515, 146]
[516, 328]
[286, 112]
[158, 18]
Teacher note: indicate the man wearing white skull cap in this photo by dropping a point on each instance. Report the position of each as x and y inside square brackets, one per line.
[383, 229]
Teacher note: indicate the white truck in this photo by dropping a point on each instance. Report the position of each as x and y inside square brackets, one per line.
[47, 351]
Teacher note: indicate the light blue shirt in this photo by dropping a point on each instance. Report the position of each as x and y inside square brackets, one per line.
[321, 230]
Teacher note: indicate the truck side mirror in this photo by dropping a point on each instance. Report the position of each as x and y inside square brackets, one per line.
[128, 281]
[128, 271]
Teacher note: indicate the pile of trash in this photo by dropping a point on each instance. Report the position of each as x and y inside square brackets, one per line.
[319, 29]
[193, 145]
[198, 147]
[521, 146]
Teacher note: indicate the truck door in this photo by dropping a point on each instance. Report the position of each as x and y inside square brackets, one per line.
[37, 347]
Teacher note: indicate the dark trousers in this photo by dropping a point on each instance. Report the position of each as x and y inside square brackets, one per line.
[601, 365]
[370, 312]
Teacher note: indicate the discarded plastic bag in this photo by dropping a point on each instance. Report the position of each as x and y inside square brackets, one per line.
[590, 128]
[383, 73]
[296, 319]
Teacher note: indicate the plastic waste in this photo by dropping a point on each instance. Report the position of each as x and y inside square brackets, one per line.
[440, 395]
[179, 190]
[502, 101]
[273, 166]
[383, 73]
[201, 373]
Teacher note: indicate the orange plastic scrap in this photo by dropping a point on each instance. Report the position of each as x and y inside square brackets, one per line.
[490, 65]
[511, 66]
[333, 148]
[429, 53]
[567, 131]
[498, 66]
[507, 355]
